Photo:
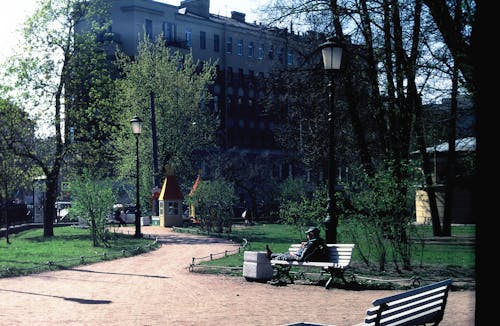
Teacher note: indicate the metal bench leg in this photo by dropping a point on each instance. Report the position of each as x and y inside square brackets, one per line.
[283, 271]
[333, 274]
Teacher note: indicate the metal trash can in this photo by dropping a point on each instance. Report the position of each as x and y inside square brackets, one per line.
[256, 266]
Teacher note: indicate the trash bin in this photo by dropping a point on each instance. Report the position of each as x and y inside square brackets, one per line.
[256, 266]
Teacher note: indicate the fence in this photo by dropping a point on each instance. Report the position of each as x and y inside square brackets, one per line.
[197, 260]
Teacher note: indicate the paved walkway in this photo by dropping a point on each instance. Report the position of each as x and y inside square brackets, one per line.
[157, 288]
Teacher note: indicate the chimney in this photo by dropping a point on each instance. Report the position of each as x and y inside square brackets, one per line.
[239, 16]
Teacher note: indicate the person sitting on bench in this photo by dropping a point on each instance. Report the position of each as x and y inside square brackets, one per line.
[314, 249]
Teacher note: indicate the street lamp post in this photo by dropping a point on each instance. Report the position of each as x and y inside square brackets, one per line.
[332, 55]
[136, 124]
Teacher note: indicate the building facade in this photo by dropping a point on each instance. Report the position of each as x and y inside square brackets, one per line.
[244, 53]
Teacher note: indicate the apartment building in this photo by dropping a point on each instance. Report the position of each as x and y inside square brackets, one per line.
[245, 53]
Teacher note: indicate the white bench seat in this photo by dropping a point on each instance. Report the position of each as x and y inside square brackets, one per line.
[339, 259]
[419, 306]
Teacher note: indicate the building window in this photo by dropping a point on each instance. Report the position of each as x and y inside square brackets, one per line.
[229, 45]
[216, 43]
[229, 76]
[260, 52]
[149, 28]
[281, 54]
[239, 49]
[289, 60]
[173, 208]
[250, 50]
[189, 37]
[203, 40]
[170, 31]
[270, 53]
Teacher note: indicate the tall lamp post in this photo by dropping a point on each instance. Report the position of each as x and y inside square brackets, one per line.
[136, 124]
[332, 54]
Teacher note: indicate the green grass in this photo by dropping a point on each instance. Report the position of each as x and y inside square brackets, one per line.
[30, 252]
[431, 259]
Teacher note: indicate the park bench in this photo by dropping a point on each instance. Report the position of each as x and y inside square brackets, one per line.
[339, 260]
[414, 307]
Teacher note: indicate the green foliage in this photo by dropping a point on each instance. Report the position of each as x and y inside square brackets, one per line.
[16, 172]
[375, 209]
[43, 72]
[92, 118]
[185, 127]
[299, 208]
[436, 260]
[252, 177]
[92, 200]
[214, 202]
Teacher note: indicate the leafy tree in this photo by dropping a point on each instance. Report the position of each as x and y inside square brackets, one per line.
[252, 176]
[92, 200]
[16, 173]
[301, 208]
[214, 202]
[185, 127]
[372, 209]
[43, 71]
[91, 117]
[388, 46]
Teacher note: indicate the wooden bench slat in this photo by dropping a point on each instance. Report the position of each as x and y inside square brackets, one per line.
[339, 259]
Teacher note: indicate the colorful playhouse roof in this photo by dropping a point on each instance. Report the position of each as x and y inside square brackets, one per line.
[195, 185]
[170, 189]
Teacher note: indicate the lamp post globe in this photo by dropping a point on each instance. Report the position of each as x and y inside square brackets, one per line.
[136, 124]
[332, 55]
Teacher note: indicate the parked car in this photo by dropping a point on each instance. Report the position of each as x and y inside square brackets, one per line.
[62, 209]
[130, 214]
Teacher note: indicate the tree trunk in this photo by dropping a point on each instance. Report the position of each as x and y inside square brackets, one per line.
[451, 159]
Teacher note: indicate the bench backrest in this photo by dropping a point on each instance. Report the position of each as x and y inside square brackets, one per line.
[414, 307]
[340, 253]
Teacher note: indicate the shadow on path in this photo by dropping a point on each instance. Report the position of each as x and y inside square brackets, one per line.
[79, 300]
[111, 273]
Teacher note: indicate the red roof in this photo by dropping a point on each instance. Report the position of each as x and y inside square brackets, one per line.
[170, 189]
[195, 185]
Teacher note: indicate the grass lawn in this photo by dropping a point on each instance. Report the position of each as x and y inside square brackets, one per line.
[30, 252]
[431, 259]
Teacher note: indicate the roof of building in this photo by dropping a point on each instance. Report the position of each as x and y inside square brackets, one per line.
[195, 185]
[170, 189]
[467, 144]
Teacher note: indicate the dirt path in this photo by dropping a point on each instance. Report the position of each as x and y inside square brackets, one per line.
[157, 288]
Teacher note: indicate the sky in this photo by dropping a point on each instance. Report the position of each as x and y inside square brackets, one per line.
[14, 13]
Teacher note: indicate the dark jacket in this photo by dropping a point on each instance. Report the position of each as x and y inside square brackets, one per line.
[314, 250]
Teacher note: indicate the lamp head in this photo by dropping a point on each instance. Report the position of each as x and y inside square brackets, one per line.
[136, 124]
[332, 54]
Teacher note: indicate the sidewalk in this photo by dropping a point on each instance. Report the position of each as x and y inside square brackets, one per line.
[156, 288]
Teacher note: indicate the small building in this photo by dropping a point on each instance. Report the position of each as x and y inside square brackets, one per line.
[463, 189]
[170, 203]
